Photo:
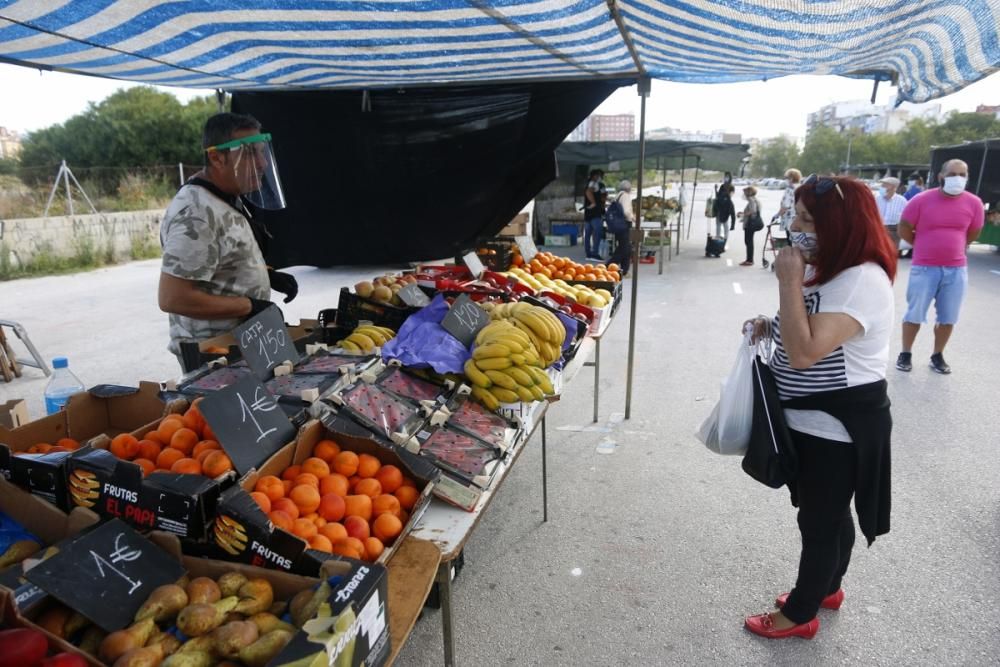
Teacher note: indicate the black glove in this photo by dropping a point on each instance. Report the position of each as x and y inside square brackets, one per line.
[259, 305]
[284, 283]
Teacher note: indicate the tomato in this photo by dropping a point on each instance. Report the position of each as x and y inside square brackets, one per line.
[21, 647]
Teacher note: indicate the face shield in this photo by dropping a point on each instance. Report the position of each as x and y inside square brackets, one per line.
[252, 164]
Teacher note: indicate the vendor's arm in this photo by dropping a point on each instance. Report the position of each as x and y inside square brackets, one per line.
[588, 195]
[184, 297]
[806, 338]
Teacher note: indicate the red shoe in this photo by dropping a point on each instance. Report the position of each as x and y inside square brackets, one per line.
[831, 601]
[763, 625]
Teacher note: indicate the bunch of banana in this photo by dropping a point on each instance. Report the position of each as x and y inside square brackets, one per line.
[545, 331]
[506, 367]
[366, 338]
[582, 294]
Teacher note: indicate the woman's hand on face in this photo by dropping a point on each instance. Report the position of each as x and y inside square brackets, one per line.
[789, 265]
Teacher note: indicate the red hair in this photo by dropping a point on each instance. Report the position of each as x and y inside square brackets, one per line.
[849, 229]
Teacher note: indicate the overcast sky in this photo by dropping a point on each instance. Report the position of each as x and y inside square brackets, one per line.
[30, 100]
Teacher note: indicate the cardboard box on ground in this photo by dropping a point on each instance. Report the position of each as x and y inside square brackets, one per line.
[14, 414]
[257, 541]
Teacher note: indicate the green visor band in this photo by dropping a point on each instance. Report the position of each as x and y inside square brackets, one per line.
[236, 143]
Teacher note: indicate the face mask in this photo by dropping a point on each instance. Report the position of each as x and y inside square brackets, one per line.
[881, 191]
[954, 185]
[911, 183]
[805, 242]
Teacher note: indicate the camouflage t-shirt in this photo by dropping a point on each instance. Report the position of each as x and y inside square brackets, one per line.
[207, 241]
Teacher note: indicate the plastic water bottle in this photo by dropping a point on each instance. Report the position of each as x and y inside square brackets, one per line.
[61, 386]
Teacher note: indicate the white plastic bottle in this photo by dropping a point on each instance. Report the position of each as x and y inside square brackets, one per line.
[61, 386]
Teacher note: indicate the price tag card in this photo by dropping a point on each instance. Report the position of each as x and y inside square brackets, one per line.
[474, 264]
[527, 247]
[265, 343]
[248, 422]
[106, 574]
[412, 295]
[465, 319]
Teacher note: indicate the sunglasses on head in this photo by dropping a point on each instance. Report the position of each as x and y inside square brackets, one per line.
[824, 185]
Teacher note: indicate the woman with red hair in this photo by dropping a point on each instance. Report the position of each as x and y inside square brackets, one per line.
[831, 350]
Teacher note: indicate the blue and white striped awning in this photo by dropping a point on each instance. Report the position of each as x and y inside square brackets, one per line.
[930, 48]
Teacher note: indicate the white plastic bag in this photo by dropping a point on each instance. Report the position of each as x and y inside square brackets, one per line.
[727, 428]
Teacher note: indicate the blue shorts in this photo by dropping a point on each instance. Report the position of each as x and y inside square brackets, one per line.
[945, 285]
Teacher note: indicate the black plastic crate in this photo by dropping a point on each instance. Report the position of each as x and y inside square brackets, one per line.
[495, 254]
[353, 308]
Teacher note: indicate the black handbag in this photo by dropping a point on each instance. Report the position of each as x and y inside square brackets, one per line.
[756, 223]
[771, 458]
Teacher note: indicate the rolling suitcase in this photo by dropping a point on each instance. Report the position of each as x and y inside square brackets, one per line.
[715, 246]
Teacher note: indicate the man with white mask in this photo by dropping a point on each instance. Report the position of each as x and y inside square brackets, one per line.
[940, 223]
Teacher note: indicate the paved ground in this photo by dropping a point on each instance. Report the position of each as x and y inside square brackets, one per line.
[653, 554]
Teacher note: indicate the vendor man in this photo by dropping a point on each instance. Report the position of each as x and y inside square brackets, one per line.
[213, 275]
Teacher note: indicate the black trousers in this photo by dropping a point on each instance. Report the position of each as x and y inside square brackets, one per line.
[748, 240]
[825, 485]
[623, 250]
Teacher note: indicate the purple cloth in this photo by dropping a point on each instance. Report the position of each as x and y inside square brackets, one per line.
[423, 343]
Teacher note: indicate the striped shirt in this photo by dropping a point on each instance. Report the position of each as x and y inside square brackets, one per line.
[890, 209]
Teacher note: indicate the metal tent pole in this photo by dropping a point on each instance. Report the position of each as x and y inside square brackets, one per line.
[663, 208]
[680, 216]
[697, 167]
[69, 193]
[636, 238]
[982, 165]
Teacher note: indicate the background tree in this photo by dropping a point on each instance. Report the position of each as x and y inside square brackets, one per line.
[773, 157]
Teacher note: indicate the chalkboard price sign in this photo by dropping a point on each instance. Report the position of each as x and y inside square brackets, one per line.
[527, 247]
[474, 264]
[412, 295]
[465, 319]
[106, 574]
[265, 342]
[248, 422]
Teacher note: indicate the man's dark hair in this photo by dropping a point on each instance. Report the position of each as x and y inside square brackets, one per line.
[220, 128]
[596, 172]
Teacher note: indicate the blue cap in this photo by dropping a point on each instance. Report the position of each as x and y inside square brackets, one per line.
[60, 362]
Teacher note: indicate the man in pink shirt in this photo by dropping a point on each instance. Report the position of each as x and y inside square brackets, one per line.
[940, 223]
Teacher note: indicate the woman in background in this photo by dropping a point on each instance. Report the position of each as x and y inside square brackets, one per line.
[750, 213]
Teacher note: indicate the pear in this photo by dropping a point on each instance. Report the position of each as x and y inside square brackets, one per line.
[121, 642]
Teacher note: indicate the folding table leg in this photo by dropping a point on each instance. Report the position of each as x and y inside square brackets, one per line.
[545, 479]
[444, 593]
[597, 376]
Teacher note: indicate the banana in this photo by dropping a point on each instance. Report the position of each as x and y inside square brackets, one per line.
[504, 395]
[387, 332]
[516, 344]
[541, 379]
[477, 377]
[558, 330]
[524, 394]
[362, 341]
[486, 398]
[519, 359]
[519, 376]
[501, 379]
[490, 351]
[494, 363]
[537, 325]
[492, 330]
[377, 336]
[537, 392]
[348, 345]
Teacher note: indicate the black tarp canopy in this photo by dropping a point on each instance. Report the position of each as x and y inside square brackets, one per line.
[660, 153]
[983, 158]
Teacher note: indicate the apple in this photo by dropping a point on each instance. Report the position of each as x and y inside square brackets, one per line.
[382, 293]
[364, 288]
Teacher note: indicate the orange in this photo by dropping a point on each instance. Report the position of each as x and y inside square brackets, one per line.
[287, 506]
[281, 520]
[333, 531]
[200, 458]
[204, 446]
[291, 472]
[184, 439]
[321, 543]
[350, 547]
[369, 487]
[262, 500]
[54, 450]
[155, 436]
[386, 527]
[358, 505]
[68, 443]
[306, 497]
[357, 527]
[617, 276]
[326, 450]
[601, 267]
[146, 465]
[304, 528]
[346, 463]
[332, 507]
[319, 521]
[125, 446]
[368, 465]
[307, 478]
[192, 420]
[168, 457]
[312, 516]
[216, 464]
[186, 466]
[613, 267]
[316, 466]
[407, 496]
[287, 485]
[373, 548]
[390, 477]
[148, 450]
[169, 426]
[334, 483]
[386, 503]
[409, 481]
[40, 448]
[270, 486]
[352, 482]
[207, 433]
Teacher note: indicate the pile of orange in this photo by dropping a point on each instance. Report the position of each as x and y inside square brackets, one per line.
[339, 502]
[563, 268]
[181, 443]
[62, 445]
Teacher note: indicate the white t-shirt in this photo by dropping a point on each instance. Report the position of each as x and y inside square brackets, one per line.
[865, 293]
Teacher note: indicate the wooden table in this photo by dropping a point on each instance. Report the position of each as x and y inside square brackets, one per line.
[412, 570]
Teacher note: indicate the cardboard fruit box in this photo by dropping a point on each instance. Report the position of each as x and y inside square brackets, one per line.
[243, 532]
[103, 410]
